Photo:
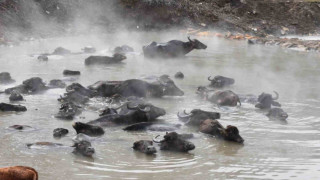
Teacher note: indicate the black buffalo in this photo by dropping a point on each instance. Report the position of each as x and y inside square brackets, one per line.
[220, 81]
[152, 87]
[11, 107]
[60, 132]
[213, 127]
[117, 58]
[265, 101]
[144, 146]
[83, 148]
[151, 126]
[172, 49]
[174, 142]
[196, 116]
[5, 78]
[131, 113]
[277, 114]
[88, 129]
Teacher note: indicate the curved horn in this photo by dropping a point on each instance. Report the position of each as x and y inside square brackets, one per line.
[239, 101]
[184, 111]
[277, 96]
[146, 109]
[154, 139]
[182, 117]
[189, 39]
[211, 79]
[132, 108]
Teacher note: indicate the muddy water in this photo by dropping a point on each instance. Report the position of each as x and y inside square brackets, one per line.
[272, 150]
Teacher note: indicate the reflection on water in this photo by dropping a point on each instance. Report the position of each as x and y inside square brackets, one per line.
[271, 150]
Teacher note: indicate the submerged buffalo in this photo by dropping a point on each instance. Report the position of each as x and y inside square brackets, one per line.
[151, 126]
[174, 142]
[32, 85]
[88, 49]
[80, 147]
[152, 87]
[88, 129]
[56, 83]
[83, 148]
[123, 49]
[144, 146]
[117, 58]
[60, 132]
[11, 107]
[15, 96]
[179, 75]
[196, 116]
[68, 110]
[172, 49]
[130, 114]
[71, 73]
[277, 114]
[213, 127]
[220, 81]
[219, 97]
[265, 101]
[5, 78]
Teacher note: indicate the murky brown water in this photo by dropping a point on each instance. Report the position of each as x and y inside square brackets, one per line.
[271, 150]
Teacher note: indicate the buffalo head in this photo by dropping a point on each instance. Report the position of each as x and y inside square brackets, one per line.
[196, 116]
[197, 44]
[173, 142]
[84, 148]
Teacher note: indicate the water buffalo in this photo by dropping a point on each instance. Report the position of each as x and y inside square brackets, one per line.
[11, 107]
[144, 146]
[123, 49]
[277, 114]
[219, 97]
[60, 132]
[68, 110]
[130, 113]
[20, 127]
[32, 85]
[88, 129]
[174, 142]
[5, 78]
[83, 148]
[117, 58]
[172, 49]
[88, 49]
[43, 58]
[220, 81]
[74, 97]
[61, 51]
[150, 126]
[43, 145]
[213, 127]
[18, 173]
[152, 87]
[265, 101]
[15, 96]
[71, 73]
[57, 83]
[196, 116]
[76, 87]
[179, 75]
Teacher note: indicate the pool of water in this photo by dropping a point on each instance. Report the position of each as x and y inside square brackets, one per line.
[271, 150]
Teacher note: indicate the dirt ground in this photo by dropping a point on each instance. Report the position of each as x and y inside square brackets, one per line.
[256, 17]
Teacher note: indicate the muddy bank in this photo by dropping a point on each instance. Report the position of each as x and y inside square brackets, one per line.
[260, 18]
[250, 16]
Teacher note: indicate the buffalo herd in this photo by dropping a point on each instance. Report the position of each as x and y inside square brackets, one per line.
[133, 112]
